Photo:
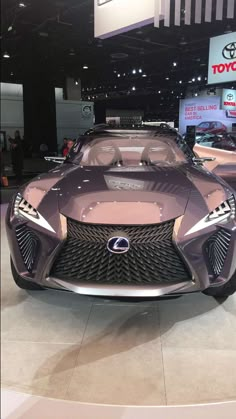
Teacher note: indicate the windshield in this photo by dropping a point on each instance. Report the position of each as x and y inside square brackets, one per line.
[128, 151]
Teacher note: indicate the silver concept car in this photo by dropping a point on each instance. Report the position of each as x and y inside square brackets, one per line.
[129, 213]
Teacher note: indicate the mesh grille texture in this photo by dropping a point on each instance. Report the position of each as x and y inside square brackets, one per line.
[28, 245]
[152, 257]
[217, 249]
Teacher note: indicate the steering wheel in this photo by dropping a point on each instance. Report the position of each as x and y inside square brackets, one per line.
[170, 156]
[109, 150]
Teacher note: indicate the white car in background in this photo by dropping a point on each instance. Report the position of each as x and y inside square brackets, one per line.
[206, 140]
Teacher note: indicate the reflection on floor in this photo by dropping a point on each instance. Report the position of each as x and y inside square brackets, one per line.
[93, 350]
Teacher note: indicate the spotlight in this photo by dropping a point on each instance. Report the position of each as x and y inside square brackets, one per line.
[85, 67]
[22, 5]
[174, 64]
[167, 78]
[193, 79]
[6, 55]
[140, 70]
[118, 75]
[76, 82]
[199, 78]
[180, 82]
[144, 75]
[133, 88]
[134, 71]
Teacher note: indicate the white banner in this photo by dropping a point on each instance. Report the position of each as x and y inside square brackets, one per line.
[222, 59]
[204, 112]
[117, 16]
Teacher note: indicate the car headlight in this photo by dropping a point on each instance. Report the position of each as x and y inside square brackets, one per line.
[222, 214]
[26, 210]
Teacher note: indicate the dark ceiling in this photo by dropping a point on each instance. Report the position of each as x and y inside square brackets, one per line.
[59, 36]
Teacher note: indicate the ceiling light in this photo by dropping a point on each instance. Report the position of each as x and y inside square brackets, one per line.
[118, 75]
[124, 74]
[180, 82]
[199, 78]
[21, 4]
[195, 94]
[9, 29]
[144, 75]
[72, 52]
[134, 71]
[167, 78]
[85, 67]
[140, 70]
[12, 74]
[193, 79]
[6, 55]
[159, 91]
[76, 82]
[133, 88]
[174, 64]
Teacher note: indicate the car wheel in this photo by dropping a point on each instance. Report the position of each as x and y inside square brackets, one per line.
[225, 290]
[23, 283]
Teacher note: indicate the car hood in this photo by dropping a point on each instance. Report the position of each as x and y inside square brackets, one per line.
[141, 195]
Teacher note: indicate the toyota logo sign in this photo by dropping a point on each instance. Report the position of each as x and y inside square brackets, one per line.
[229, 51]
[222, 59]
[230, 96]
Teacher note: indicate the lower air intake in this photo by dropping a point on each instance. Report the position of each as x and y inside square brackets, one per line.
[152, 257]
[217, 249]
[28, 245]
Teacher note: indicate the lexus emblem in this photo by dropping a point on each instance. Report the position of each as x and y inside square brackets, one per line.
[118, 244]
[229, 51]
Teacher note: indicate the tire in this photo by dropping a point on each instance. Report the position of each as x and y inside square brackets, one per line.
[23, 283]
[225, 290]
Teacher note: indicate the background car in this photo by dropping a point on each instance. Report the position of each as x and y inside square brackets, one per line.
[130, 213]
[226, 142]
[206, 139]
[211, 127]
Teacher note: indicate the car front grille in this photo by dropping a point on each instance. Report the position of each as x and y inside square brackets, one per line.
[152, 257]
[217, 249]
[28, 245]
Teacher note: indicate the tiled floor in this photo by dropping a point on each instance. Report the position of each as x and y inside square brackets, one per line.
[99, 351]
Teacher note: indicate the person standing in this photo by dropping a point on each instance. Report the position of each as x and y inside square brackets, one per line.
[17, 156]
[69, 145]
[64, 146]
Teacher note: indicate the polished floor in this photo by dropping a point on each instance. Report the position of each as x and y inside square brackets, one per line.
[66, 346]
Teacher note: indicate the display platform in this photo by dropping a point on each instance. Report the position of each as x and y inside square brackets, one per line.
[65, 346]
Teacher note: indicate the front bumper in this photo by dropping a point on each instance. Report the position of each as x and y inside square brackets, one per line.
[52, 244]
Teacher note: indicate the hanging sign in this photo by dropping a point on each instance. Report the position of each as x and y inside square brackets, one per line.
[222, 59]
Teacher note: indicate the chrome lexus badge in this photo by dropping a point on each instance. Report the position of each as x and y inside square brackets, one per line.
[118, 245]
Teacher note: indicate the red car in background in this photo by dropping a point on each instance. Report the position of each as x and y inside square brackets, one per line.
[212, 127]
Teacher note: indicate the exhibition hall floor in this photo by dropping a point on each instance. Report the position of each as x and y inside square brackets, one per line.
[66, 346]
